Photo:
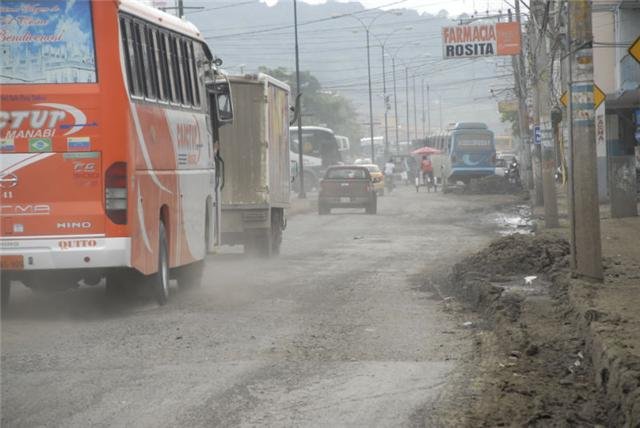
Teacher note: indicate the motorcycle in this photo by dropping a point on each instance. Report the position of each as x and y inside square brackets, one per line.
[512, 174]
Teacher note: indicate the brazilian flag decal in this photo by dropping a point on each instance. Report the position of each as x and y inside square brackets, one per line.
[40, 144]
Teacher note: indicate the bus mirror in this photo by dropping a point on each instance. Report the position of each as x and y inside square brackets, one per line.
[220, 103]
[224, 107]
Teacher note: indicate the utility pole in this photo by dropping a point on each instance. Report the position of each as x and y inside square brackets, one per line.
[440, 106]
[542, 102]
[373, 156]
[523, 128]
[428, 111]
[535, 40]
[586, 246]
[415, 112]
[424, 129]
[302, 194]
[386, 108]
[406, 90]
[395, 104]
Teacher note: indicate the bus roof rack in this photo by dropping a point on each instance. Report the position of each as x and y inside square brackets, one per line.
[470, 125]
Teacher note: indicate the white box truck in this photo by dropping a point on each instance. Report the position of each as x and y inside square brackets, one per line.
[257, 179]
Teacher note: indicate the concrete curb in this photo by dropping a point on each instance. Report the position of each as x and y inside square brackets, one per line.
[617, 372]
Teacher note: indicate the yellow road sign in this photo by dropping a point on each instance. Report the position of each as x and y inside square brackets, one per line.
[598, 97]
[564, 99]
[634, 49]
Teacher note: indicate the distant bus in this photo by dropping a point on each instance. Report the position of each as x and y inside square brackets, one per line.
[108, 146]
[468, 151]
[317, 142]
[378, 149]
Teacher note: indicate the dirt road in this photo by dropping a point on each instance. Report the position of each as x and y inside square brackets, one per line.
[332, 333]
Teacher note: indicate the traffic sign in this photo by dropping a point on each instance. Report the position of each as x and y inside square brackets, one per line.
[537, 135]
[598, 97]
[634, 49]
[564, 99]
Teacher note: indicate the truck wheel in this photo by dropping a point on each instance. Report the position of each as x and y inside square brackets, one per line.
[159, 281]
[5, 287]
[276, 231]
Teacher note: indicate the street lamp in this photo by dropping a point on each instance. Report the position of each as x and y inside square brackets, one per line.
[384, 91]
[367, 28]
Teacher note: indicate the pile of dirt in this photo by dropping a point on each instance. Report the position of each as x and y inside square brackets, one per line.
[532, 366]
[517, 254]
[492, 184]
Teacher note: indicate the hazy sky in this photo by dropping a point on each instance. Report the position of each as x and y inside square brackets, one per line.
[455, 7]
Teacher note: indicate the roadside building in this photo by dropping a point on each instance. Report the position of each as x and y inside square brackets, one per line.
[617, 74]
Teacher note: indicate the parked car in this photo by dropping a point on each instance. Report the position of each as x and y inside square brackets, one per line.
[347, 187]
[377, 178]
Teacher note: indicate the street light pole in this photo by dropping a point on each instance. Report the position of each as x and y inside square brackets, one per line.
[406, 91]
[301, 194]
[395, 103]
[415, 111]
[424, 130]
[386, 109]
[373, 158]
[428, 111]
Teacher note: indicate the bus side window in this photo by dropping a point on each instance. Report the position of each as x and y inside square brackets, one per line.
[149, 64]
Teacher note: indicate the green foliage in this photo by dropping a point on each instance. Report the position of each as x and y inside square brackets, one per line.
[511, 116]
[321, 108]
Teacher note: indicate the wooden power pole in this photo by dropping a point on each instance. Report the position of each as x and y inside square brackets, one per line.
[586, 249]
[542, 102]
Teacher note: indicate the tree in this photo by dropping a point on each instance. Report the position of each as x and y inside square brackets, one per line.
[511, 116]
[321, 108]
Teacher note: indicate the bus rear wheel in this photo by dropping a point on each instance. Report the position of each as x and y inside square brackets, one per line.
[159, 281]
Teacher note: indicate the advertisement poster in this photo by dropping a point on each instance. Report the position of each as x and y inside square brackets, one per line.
[46, 42]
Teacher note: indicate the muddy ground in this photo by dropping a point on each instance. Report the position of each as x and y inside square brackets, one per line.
[331, 333]
[530, 365]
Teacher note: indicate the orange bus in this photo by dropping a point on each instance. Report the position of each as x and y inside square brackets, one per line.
[109, 165]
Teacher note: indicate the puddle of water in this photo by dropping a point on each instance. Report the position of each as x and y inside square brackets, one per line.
[517, 220]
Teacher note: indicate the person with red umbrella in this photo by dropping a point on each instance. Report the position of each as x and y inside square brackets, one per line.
[427, 172]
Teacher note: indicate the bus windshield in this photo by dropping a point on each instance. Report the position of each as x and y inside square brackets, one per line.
[317, 143]
[47, 42]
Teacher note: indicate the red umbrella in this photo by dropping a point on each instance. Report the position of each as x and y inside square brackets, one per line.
[426, 150]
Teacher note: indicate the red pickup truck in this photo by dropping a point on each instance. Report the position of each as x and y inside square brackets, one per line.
[347, 187]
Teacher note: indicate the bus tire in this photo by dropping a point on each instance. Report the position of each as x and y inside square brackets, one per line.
[159, 281]
[5, 287]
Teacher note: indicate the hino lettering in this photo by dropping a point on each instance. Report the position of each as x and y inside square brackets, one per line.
[25, 210]
[74, 225]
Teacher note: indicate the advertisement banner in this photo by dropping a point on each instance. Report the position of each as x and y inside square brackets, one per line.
[481, 40]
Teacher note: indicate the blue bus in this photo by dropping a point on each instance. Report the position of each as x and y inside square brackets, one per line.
[468, 152]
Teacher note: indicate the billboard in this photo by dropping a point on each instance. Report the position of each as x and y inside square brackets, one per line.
[481, 40]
